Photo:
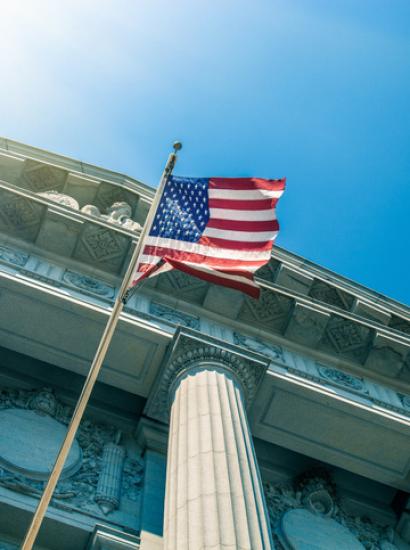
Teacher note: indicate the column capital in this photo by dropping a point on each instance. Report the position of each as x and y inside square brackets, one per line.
[191, 350]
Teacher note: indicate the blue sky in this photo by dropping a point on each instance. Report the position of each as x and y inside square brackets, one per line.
[315, 90]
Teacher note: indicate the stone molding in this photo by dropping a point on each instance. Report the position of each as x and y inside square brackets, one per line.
[349, 385]
[94, 289]
[190, 350]
[344, 339]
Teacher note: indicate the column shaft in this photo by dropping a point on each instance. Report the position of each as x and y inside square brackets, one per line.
[214, 497]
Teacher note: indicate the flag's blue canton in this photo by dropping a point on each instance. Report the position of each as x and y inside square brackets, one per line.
[183, 211]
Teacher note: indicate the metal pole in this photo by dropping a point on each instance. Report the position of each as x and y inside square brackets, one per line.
[99, 357]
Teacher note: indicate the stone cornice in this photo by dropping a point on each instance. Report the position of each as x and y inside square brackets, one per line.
[309, 268]
[192, 350]
[22, 151]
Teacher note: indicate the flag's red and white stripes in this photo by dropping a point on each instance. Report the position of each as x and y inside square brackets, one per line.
[236, 241]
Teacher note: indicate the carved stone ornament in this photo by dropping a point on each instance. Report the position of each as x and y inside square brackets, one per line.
[97, 476]
[405, 399]
[308, 514]
[259, 346]
[42, 177]
[192, 351]
[13, 256]
[328, 294]
[173, 316]
[119, 213]
[60, 198]
[89, 284]
[347, 338]
[341, 378]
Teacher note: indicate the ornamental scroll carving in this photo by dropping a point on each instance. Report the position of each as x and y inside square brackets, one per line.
[105, 474]
[314, 495]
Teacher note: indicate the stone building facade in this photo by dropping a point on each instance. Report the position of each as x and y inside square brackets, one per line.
[219, 421]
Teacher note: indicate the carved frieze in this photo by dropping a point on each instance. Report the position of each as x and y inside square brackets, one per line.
[342, 378]
[96, 486]
[373, 393]
[173, 315]
[272, 351]
[12, 256]
[89, 284]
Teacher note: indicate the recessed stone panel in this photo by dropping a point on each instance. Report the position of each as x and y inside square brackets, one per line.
[19, 216]
[271, 310]
[306, 325]
[329, 294]
[387, 356]
[81, 188]
[370, 312]
[102, 247]
[180, 284]
[38, 177]
[58, 233]
[293, 280]
[10, 168]
[30, 441]
[347, 338]
[302, 530]
[225, 301]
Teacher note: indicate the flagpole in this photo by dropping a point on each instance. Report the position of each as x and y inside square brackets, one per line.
[96, 365]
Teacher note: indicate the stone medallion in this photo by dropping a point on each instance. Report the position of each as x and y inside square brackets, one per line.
[302, 530]
[30, 441]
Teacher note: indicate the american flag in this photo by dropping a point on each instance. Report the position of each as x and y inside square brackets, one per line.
[218, 229]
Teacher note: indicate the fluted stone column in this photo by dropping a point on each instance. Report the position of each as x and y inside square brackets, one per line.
[214, 497]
